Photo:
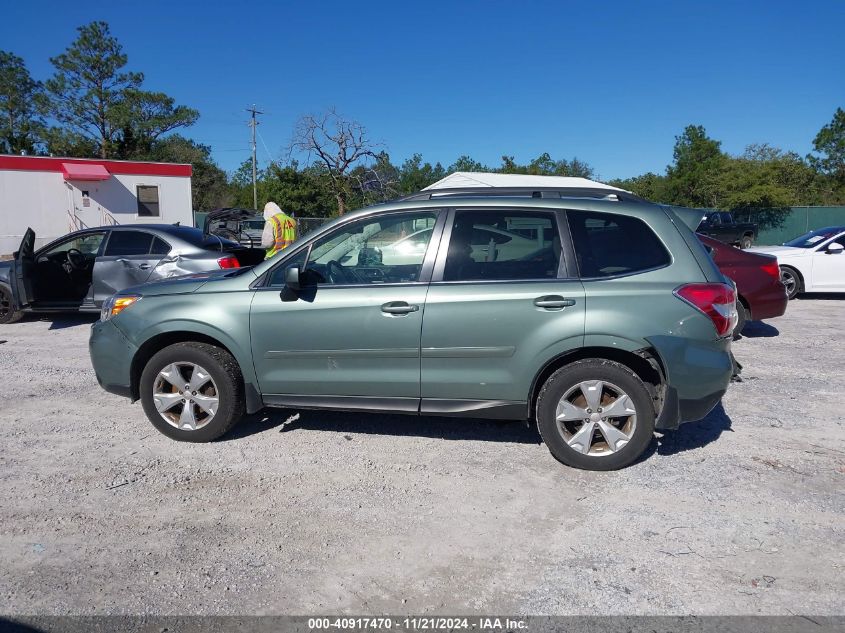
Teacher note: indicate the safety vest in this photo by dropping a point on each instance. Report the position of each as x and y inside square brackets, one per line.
[284, 233]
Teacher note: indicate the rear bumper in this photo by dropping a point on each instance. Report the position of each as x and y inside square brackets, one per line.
[111, 356]
[697, 375]
[768, 302]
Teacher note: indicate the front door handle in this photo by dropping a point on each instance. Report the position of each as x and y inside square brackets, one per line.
[399, 307]
[144, 266]
[553, 302]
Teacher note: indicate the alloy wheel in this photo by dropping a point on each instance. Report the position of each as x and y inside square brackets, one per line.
[185, 396]
[789, 282]
[596, 418]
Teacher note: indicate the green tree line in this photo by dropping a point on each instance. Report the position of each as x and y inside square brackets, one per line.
[94, 106]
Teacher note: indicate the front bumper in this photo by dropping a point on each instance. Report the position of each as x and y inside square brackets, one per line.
[111, 355]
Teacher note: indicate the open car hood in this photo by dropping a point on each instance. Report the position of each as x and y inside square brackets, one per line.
[229, 213]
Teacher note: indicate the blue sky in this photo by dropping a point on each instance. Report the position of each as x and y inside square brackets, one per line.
[609, 82]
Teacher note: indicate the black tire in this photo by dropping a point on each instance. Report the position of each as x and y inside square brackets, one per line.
[792, 280]
[225, 374]
[746, 241]
[8, 310]
[742, 314]
[591, 369]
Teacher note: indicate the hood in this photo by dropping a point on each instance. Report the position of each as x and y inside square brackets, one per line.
[271, 209]
[225, 214]
[779, 251]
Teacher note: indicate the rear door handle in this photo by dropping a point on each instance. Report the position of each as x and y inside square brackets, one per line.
[553, 302]
[399, 307]
[144, 266]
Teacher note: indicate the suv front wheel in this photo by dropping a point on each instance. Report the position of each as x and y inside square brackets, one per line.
[192, 392]
[595, 414]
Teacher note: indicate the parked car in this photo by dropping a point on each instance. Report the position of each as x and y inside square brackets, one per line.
[813, 262]
[82, 269]
[720, 225]
[760, 291]
[627, 328]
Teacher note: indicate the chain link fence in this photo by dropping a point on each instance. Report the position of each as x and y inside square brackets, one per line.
[304, 226]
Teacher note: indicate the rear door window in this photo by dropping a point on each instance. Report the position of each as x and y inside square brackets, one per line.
[492, 246]
[128, 243]
[608, 245]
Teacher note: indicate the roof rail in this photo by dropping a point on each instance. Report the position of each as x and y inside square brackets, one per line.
[599, 193]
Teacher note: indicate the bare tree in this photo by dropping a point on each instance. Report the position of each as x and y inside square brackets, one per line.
[338, 144]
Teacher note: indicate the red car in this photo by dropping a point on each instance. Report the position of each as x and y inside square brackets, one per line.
[761, 293]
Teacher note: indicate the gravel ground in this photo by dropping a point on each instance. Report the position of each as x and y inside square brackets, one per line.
[741, 513]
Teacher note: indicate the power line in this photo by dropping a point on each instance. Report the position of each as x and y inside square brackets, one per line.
[267, 151]
[253, 123]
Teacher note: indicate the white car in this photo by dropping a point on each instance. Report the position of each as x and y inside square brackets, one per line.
[813, 262]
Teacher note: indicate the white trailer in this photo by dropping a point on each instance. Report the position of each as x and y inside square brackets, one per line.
[55, 196]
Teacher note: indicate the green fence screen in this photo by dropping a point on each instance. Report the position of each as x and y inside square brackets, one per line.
[776, 226]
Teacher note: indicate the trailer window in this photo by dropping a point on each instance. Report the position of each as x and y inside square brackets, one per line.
[147, 200]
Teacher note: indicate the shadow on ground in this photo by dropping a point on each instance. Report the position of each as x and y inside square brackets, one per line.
[824, 296]
[693, 435]
[759, 329]
[61, 320]
[287, 421]
[17, 626]
[686, 438]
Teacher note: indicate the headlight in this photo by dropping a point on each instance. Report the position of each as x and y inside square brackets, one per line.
[114, 305]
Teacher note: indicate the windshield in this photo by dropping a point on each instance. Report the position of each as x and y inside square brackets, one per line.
[814, 238]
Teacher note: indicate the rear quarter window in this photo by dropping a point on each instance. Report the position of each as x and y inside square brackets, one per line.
[609, 245]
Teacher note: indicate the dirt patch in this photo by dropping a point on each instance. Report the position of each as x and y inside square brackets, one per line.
[741, 513]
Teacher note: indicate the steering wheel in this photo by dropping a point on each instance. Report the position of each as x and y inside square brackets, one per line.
[337, 274]
[76, 259]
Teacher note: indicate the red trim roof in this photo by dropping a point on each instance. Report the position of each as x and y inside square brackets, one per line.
[75, 171]
[114, 167]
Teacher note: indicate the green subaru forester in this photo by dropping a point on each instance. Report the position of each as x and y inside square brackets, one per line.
[601, 317]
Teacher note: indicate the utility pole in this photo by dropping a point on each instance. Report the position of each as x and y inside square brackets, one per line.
[253, 123]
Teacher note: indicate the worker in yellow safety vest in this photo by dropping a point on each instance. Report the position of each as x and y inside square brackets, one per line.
[279, 230]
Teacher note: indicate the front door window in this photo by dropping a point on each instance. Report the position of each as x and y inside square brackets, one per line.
[383, 250]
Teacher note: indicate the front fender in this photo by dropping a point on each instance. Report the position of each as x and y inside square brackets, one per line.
[223, 317]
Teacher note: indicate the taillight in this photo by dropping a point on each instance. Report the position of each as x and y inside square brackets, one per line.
[229, 262]
[772, 268]
[717, 301]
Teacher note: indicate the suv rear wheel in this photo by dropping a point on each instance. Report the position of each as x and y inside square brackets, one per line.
[192, 392]
[595, 414]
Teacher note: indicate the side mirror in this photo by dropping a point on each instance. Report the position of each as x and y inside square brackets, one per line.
[835, 248]
[292, 278]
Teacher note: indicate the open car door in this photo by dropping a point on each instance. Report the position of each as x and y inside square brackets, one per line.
[24, 266]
